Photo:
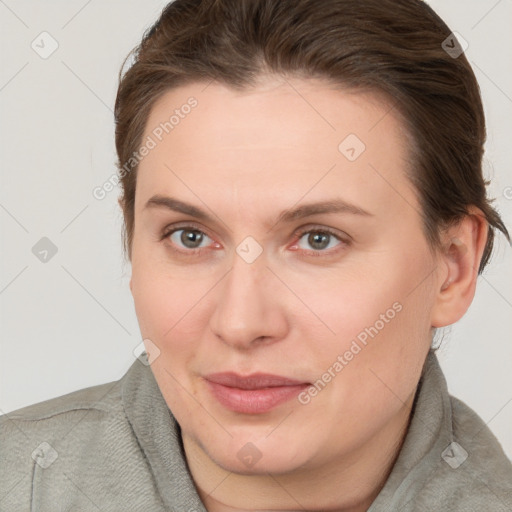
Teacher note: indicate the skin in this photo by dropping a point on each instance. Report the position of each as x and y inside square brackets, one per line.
[244, 157]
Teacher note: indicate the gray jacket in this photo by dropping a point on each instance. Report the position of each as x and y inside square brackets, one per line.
[117, 447]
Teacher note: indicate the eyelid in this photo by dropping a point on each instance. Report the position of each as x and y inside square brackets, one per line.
[182, 225]
[322, 229]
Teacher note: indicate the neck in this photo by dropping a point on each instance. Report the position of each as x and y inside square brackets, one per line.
[348, 483]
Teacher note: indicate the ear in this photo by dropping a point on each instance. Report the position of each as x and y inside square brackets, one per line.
[459, 260]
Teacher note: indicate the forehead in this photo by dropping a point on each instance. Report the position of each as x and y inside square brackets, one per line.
[282, 139]
[276, 110]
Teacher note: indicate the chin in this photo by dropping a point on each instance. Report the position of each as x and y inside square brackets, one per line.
[278, 467]
[258, 457]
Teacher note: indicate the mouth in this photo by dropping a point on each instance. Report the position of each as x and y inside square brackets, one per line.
[253, 394]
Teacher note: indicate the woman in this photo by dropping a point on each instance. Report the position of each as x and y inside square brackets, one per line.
[304, 206]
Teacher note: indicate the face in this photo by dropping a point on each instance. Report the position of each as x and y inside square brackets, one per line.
[333, 301]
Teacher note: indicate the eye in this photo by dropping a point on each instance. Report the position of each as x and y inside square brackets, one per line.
[186, 239]
[191, 238]
[321, 240]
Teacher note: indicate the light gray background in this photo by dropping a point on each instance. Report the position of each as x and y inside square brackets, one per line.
[70, 323]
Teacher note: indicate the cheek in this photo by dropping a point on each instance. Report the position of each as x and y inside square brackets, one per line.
[359, 305]
[162, 295]
[371, 367]
[151, 299]
[165, 312]
[379, 319]
[386, 367]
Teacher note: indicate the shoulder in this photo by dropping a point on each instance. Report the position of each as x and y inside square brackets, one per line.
[53, 434]
[56, 414]
[102, 397]
[489, 467]
[483, 449]
[82, 440]
[473, 472]
[76, 417]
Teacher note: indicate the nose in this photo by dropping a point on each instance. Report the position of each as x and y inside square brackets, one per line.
[249, 310]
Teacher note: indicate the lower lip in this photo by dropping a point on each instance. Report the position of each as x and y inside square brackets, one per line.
[254, 401]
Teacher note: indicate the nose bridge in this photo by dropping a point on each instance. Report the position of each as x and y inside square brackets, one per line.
[244, 280]
[246, 307]
[248, 271]
[243, 290]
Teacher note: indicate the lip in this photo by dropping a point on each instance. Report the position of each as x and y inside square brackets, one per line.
[253, 394]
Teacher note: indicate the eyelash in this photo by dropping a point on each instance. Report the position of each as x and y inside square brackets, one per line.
[298, 234]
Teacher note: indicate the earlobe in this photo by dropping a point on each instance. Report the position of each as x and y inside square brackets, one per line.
[459, 261]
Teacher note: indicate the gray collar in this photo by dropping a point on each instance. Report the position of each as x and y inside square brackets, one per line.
[429, 434]
[159, 436]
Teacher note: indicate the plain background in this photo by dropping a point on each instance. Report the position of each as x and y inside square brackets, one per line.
[69, 323]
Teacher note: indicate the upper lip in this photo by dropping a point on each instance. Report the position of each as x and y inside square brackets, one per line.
[253, 381]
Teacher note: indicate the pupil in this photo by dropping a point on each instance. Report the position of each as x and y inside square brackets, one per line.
[317, 239]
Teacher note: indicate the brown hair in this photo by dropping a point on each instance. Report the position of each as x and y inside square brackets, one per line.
[394, 47]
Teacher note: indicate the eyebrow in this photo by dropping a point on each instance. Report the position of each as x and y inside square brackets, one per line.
[306, 210]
